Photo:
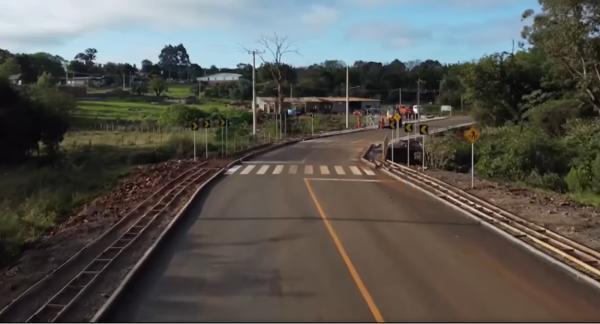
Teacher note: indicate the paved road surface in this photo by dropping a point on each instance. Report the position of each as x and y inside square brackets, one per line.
[305, 233]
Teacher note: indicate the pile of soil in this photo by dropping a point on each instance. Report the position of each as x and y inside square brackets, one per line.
[84, 225]
[552, 210]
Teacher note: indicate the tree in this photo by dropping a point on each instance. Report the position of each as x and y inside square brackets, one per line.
[568, 31]
[147, 66]
[140, 87]
[9, 67]
[498, 84]
[276, 47]
[45, 80]
[174, 59]
[158, 85]
[87, 57]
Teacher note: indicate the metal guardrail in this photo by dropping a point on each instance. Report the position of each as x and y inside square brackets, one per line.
[575, 255]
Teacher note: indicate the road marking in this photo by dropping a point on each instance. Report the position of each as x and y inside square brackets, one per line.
[368, 172]
[233, 169]
[355, 170]
[308, 169]
[278, 169]
[263, 169]
[339, 170]
[340, 247]
[248, 169]
[346, 180]
[293, 169]
[324, 170]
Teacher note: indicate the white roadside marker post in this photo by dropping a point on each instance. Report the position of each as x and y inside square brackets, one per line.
[408, 149]
[206, 142]
[472, 164]
[194, 131]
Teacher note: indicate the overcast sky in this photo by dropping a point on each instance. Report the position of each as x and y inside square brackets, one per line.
[215, 31]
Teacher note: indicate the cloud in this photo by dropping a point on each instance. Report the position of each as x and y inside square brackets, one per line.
[443, 35]
[389, 35]
[319, 17]
[33, 22]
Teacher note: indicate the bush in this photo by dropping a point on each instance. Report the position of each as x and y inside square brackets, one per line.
[552, 115]
[578, 179]
[550, 181]
[180, 116]
[512, 153]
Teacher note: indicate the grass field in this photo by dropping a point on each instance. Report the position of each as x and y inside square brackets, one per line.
[132, 111]
[179, 91]
[118, 110]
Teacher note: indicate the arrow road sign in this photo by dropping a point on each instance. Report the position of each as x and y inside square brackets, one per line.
[194, 125]
[222, 122]
[206, 123]
[424, 129]
[408, 128]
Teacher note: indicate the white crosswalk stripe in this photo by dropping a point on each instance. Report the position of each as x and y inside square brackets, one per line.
[369, 172]
[233, 169]
[278, 169]
[308, 169]
[293, 169]
[263, 169]
[355, 170]
[248, 169]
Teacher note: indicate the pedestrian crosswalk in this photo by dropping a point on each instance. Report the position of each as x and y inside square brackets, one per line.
[301, 170]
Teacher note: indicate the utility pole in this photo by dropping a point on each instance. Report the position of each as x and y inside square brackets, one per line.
[347, 95]
[254, 52]
[123, 81]
[291, 90]
[400, 96]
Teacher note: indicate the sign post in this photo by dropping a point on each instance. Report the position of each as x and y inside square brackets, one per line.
[226, 136]
[206, 126]
[393, 127]
[194, 129]
[222, 128]
[472, 135]
[408, 128]
[424, 130]
[312, 124]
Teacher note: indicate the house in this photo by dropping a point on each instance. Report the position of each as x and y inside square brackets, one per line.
[220, 78]
[318, 104]
[15, 79]
[86, 82]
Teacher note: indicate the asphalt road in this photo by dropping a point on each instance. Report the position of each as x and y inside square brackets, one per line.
[305, 233]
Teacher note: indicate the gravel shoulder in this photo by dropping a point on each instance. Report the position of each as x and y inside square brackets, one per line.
[551, 210]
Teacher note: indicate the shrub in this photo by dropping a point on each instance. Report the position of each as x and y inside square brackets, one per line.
[552, 115]
[578, 179]
[512, 153]
[180, 116]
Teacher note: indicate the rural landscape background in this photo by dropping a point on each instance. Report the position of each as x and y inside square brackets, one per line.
[61, 146]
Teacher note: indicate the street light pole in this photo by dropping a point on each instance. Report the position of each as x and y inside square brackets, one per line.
[347, 95]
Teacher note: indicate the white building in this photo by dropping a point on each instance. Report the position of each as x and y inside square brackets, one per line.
[220, 77]
[85, 81]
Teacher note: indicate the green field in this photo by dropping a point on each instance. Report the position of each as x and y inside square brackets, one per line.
[132, 111]
[179, 91]
[118, 110]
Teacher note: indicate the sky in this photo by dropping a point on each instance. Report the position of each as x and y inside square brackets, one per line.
[217, 32]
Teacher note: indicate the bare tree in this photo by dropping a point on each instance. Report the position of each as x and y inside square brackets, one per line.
[276, 47]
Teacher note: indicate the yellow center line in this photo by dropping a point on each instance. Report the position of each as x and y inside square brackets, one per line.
[340, 247]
